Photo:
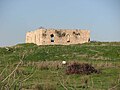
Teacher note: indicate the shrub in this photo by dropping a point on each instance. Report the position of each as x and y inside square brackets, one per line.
[77, 68]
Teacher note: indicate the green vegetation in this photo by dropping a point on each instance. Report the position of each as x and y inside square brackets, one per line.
[28, 66]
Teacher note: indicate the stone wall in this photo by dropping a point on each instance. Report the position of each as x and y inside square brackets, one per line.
[58, 36]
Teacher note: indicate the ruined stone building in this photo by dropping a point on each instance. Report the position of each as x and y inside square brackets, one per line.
[44, 36]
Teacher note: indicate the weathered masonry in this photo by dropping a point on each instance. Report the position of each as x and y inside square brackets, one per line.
[58, 36]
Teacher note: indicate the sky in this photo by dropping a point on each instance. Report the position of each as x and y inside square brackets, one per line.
[101, 17]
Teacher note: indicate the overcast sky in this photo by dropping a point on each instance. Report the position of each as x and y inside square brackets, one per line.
[101, 17]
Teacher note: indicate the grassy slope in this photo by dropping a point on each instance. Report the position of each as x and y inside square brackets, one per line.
[92, 51]
[102, 55]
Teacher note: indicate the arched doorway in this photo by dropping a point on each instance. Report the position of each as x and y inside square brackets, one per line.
[52, 37]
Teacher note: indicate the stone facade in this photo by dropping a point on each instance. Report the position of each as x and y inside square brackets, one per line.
[58, 36]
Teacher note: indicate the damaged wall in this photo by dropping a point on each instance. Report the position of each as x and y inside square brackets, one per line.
[58, 36]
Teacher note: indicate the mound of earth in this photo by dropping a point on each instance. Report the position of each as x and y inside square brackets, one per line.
[77, 68]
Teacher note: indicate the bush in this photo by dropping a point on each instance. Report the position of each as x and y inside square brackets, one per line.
[77, 68]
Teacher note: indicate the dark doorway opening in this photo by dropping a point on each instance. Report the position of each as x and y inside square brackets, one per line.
[52, 38]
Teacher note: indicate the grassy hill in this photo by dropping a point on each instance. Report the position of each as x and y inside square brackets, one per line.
[28, 66]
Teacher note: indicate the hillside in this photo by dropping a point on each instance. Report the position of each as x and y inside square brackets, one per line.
[37, 62]
[91, 51]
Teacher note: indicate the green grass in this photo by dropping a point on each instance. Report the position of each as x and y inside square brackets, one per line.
[41, 67]
[107, 51]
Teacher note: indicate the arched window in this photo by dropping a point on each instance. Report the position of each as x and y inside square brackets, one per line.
[52, 37]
